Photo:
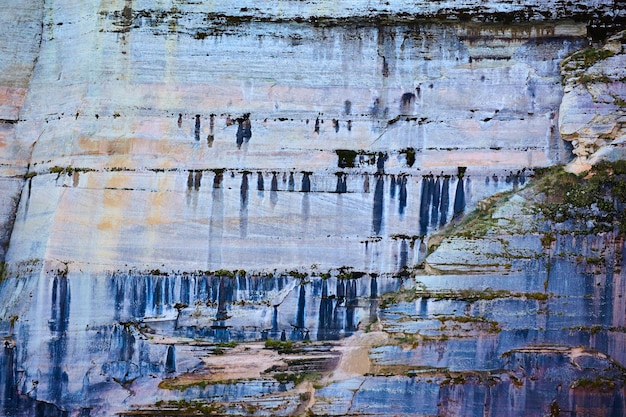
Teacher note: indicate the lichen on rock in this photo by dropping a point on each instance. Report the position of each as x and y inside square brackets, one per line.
[593, 110]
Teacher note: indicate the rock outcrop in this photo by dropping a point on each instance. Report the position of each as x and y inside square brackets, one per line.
[210, 209]
[593, 112]
[144, 111]
[19, 47]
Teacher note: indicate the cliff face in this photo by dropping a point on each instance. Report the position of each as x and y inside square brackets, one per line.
[133, 116]
[20, 47]
[593, 111]
[183, 180]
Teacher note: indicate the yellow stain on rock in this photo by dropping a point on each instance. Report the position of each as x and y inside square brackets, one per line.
[4, 135]
[113, 202]
[119, 150]
[156, 201]
[104, 146]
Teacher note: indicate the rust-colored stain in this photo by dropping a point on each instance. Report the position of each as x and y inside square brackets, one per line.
[93, 145]
[12, 96]
[4, 137]
[112, 203]
[156, 201]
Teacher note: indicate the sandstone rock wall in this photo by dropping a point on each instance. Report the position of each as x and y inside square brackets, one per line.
[110, 159]
[150, 256]
[593, 111]
[19, 47]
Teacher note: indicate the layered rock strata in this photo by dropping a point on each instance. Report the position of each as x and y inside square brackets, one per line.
[224, 210]
[593, 111]
[19, 48]
[143, 115]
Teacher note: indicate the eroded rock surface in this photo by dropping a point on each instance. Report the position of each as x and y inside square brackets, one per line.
[355, 119]
[227, 210]
[593, 111]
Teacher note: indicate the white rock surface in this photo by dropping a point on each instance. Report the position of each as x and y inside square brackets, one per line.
[593, 110]
[111, 80]
[20, 37]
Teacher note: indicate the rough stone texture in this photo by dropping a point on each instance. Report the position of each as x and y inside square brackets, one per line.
[593, 111]
[481, 97]
[145, 250]
[505, 244]
[19, 45]
[316, 10]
